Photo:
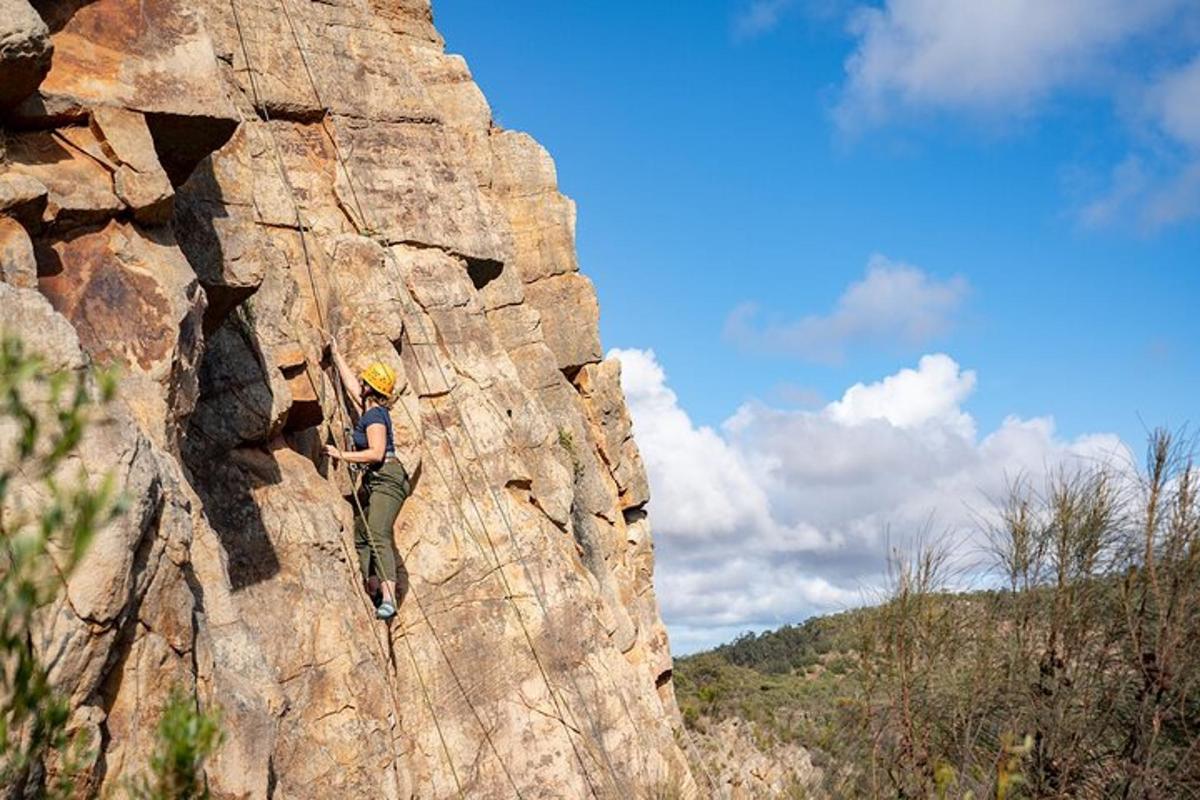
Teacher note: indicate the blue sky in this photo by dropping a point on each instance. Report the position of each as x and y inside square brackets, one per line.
[1036, 172]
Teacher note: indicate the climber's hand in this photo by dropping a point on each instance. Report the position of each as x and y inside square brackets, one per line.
[332, 451]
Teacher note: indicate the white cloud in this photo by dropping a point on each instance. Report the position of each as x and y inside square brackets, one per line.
[705, 486]
[780, 514]
[995, 57]
[894, 303]
[931, 392]
[1176, 98]
[1003, 59]
[1147, 196]
[760, 17]
[1162, 188]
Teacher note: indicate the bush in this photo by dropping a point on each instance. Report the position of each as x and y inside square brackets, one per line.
[1079, 677]
[185, 738]
[42, 419]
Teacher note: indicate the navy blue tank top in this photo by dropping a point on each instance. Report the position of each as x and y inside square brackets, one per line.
[374, 416]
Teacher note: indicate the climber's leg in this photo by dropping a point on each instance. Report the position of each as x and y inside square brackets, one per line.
[362, 544]
[389, 490]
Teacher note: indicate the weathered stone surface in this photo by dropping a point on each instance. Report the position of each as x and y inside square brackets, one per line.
[215, 222]
[744, 763]
[135, 304]
[130, 582]
[24, 51]
[341, 48]
[570, 318]
[409, 17]
[427, 201]
[541, 219]
[140, 181]
[80, 187]
[17, 263]
[151, 57]
[600, 389]
[23, 198]
[207, 250]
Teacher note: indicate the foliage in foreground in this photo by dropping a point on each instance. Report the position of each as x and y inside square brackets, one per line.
[1079, 678]
[43, 418]
[39, 552]
[185, 738]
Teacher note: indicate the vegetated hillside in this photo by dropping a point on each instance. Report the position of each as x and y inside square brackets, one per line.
[780, 690]
[1079, 678]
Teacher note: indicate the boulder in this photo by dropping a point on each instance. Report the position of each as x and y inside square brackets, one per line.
[25, 51]
[23, 198]
[18, 266]
[139, 180]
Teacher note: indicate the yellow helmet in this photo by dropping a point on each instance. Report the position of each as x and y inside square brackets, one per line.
[380, 377]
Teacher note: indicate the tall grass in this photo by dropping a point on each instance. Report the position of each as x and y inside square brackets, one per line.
[1080, 679]
[1077, 676]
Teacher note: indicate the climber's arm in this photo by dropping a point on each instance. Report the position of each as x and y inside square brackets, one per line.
[349, 379]
[374, 452]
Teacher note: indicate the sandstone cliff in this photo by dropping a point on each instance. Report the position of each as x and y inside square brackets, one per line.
[188, 190]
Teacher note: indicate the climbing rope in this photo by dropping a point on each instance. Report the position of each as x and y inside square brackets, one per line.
[509, 594]
[521, 558]
[340, 389]
[351, 559]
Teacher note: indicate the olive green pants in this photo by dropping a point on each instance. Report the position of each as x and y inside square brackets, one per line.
[382, 493]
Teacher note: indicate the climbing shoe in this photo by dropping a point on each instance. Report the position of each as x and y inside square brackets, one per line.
[385, 611]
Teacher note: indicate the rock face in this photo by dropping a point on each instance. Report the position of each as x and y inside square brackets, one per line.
[191, 193]
[740, 761]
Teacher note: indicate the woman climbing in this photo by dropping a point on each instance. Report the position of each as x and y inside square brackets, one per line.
[385, 485]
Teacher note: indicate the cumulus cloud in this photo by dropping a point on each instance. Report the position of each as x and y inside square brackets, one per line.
[894, 302]
[996, 57]
[911, 397]
[779, 514]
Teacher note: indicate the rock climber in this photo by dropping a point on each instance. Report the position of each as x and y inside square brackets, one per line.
[385, 483]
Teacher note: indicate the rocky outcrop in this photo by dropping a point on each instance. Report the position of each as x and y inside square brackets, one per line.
[739, 760]
[191, 193]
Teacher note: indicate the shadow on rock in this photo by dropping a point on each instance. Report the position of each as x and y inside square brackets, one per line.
[227, 487]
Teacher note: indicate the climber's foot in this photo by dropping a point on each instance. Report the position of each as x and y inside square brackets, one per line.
[386, 610]
[374, 590]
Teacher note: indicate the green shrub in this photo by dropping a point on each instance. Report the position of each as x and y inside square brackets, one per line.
[1079, 677]
[43, 417]
[186, 737]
